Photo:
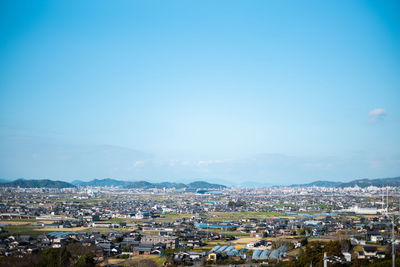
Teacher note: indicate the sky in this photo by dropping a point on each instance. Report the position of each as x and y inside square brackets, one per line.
[266, 92]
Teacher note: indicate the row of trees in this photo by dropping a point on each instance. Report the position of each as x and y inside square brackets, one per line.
[313, 253]
[73, 254]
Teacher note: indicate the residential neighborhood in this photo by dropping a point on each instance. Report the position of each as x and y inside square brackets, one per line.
[260, 226]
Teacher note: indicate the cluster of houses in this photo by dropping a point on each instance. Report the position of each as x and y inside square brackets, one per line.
[137, 224]
[195, 232]
[109, 244]
[28, 204]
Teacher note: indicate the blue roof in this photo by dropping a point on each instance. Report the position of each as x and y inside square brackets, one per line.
[278, 253]
[256, 254]
[232, 252]
[230, 248]
[215, 248]
[60, 234]
[282, 249]
[264, 255]
[274, 254]
[221, 249]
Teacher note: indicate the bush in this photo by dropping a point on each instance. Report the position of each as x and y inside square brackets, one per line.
[86, 260]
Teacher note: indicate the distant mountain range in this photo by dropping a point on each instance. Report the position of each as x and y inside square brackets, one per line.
[36, 184]
[143, 184]
[101, 182]
[23, 183]
[379, 182]
[373, 182]
[147, 185]
[318, 183]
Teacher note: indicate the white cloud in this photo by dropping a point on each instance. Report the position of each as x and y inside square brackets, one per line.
[138, 163]
[377, 114]
[210, 162]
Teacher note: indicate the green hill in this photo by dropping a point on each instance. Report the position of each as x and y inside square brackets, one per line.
[102, 182]
[205, 185]
[37, 184]
[379, 182]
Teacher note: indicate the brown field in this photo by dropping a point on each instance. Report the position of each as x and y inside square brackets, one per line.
[133, 261]
[55, 229]
[245, 240]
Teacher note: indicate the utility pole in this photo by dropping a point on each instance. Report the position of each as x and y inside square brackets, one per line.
[393, 250]
[387, 199]
[383, 201]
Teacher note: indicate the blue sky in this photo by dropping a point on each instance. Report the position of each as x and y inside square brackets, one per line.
[232, 91]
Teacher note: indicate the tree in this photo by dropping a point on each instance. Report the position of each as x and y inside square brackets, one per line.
[54, 257]
[144, 262]
[87, 260]
[127, 248]
[301, 231]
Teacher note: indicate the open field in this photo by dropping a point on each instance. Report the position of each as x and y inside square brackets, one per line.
[133, 261]
[245, 240]
[171, 217]
[166, 217]
[27, 229]
[18, 222]
[294, 252]
[22, 230]
[235, 216]
[55, 229]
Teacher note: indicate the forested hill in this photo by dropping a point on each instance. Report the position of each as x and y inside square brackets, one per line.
[379, 182]
[37, 184]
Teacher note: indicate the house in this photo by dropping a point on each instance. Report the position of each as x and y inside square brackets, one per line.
[58, 242]
[187, 257]
[370, 251]
[108, 248]
[101, 224]
[142, 250]
[347, 256]
[376, 238]
[169, 241]
[212, 257]
[146, 249]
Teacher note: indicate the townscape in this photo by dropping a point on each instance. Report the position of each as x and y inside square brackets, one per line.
[199, 133]
[282, 226]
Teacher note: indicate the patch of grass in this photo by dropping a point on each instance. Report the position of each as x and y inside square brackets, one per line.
[22, 230]
[19, 220]
[17, 228]
[117, 220]
[171, 217]
[357, 248]
[235, 216]
[132, 261]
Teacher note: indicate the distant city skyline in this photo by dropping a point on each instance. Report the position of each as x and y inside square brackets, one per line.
[234, 91]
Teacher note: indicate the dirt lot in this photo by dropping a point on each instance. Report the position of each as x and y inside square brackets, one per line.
[55, 229]
[245, 240]
[159, 261]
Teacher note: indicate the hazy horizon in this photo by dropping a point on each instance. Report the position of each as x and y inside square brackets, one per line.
[235, 91]
[245, 183]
